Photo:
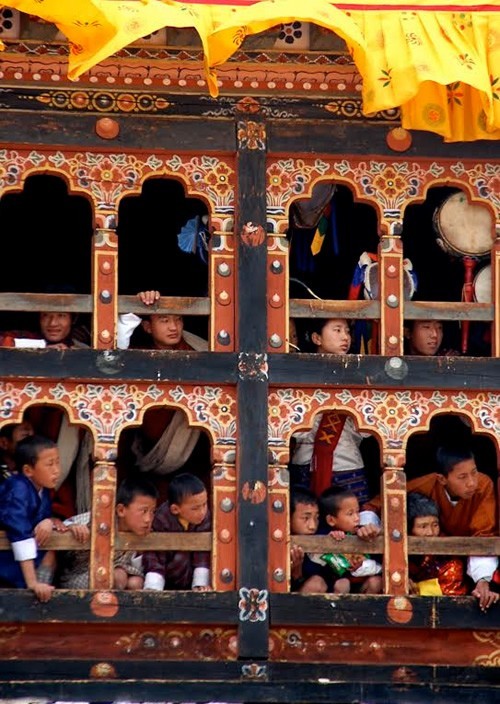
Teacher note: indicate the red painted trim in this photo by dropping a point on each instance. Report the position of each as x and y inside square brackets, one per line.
[437, 7]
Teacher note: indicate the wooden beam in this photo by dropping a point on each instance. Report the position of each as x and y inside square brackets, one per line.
[416, 546]
[447, 310]
[150, 365]
[129, 541]
[361, 310]
[252, 390]
[166, 305]
[47, 302]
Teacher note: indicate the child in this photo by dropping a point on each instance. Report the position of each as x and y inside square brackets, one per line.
[307, 577]
[467, 507]
[329, 453]
[186, 509]
[431, 575]
[25, 515]
[135, 508]
[10, 436]
[340, 511]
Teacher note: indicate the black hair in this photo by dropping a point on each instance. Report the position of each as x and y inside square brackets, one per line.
[28, 450]
[182, 487]
[7, 431]
[301, 495]
[448, 457]
[132, 487]
[417, 506]
[317, 324]
[331, 499]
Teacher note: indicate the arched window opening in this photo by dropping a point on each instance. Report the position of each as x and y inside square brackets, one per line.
[163, 239]
[46, 249]
[332, 238]
[334, 470]
[449, 239]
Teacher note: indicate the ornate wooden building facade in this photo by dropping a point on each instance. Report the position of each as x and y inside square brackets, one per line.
[287, 121]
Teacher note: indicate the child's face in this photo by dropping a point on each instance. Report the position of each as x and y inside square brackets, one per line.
[193, 509]
[335, 337]
[166, 330]
[138, 516]
[425, 337]
[46, 471]
[305, 519]
[462, 480]
[426, 527]
[347, 518]
[21, 431]
[55, 327]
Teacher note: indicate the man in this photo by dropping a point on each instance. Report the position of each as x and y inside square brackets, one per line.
[165, 331]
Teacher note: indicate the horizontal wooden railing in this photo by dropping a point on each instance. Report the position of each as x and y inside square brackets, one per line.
[416, 546]
[310, 543]
[82, 303]
[126, 541]
[299, 307]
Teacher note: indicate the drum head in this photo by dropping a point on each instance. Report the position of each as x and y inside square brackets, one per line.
[370, 288]
[482, 285]
[465, 229]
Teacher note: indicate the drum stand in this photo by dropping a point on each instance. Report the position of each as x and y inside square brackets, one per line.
[470, 264]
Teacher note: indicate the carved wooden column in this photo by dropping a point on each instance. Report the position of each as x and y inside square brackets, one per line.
[222, 286]
[105, 282]
[394, 525]
[224, 525]
[279, 522]
[391, 296]
[278, 324]
[495, 294]
[103, 519]
[252, 454]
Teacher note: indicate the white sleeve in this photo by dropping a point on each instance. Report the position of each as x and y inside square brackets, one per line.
[481, 567]
[24, 549]
[155, 581]
[201, 577]
[367, 568]
[127, 323]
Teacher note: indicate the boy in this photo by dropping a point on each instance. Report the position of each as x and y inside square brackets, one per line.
[135, 508]
[431, 575]
[340, 512]
[423, 337]
[467, 507]
[329, 453]
[166, 332]
[186, 509]
[307, 577]
[25, 511]
[10, 436]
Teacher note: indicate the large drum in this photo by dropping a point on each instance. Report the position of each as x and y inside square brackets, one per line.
[464, 229]
[482, 285]
[370, 281]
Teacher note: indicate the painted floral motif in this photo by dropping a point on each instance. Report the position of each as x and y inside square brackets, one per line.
[12, 397]
[253, 604]
[291, 410]
[295, 177]
[212, 406]
[110, 177]
[106, 409]
[251, 135]
[484, 178]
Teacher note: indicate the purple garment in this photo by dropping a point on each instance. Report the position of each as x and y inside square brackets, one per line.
[175, 566]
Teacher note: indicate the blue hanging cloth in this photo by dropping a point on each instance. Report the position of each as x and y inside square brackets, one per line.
[194, 237]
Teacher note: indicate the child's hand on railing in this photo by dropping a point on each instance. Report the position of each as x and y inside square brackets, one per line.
[80, 532]
[43, 531]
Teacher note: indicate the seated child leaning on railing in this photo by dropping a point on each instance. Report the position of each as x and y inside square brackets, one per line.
[25, 515]
[135, 509]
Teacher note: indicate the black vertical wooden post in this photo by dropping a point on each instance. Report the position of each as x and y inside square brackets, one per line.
[251, 344]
